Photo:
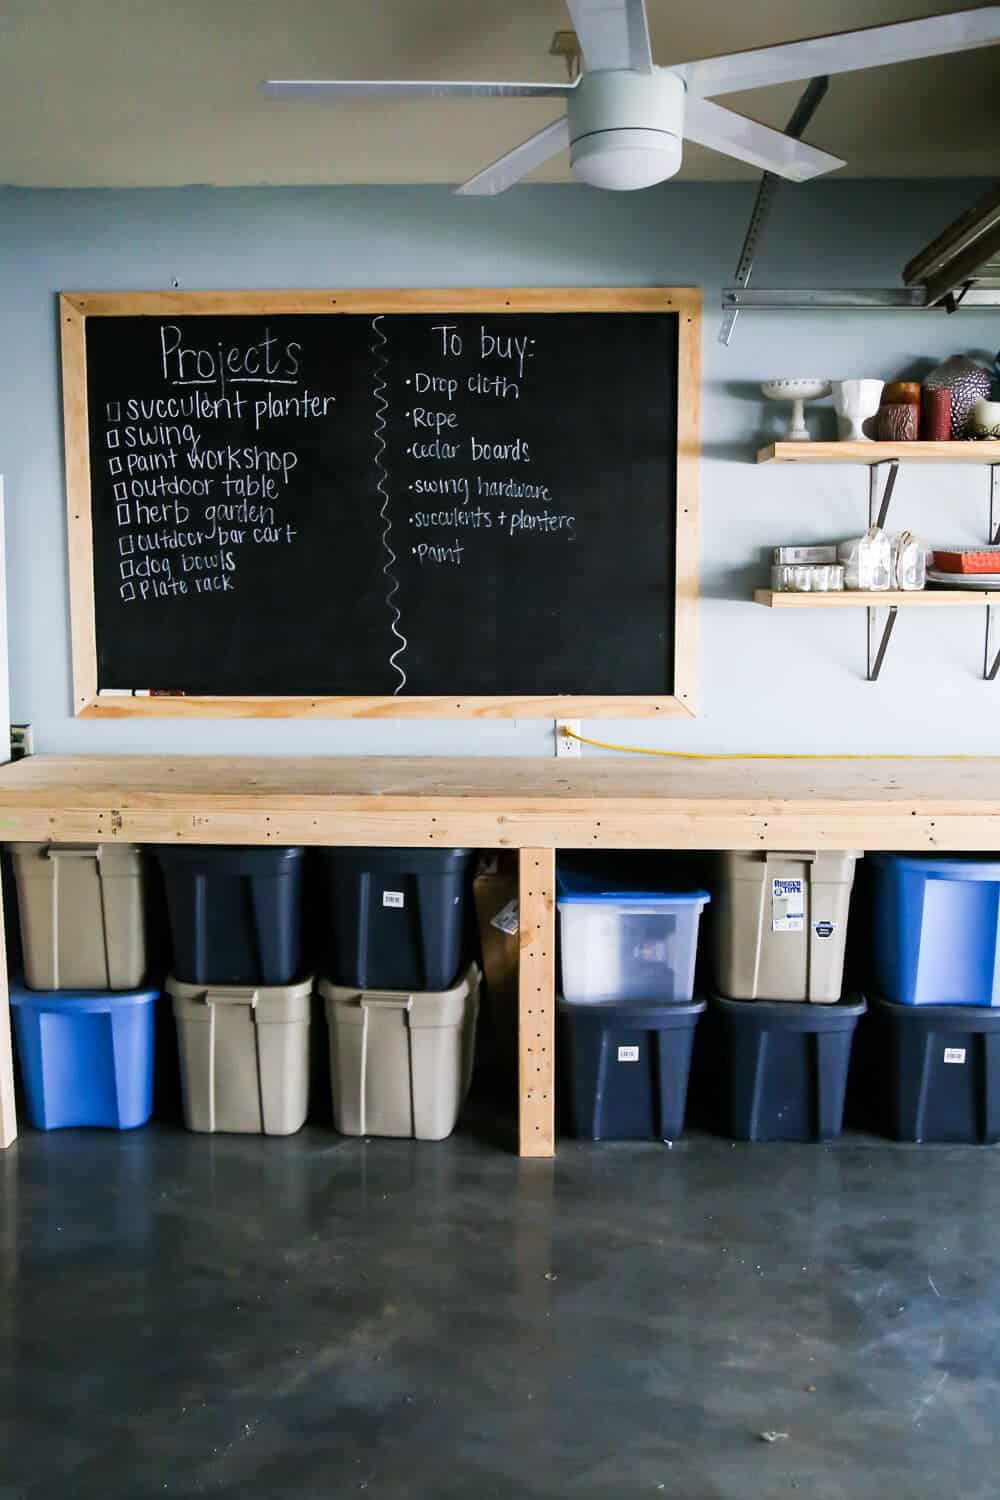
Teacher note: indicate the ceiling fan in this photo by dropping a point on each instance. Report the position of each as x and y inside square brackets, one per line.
[626, 118]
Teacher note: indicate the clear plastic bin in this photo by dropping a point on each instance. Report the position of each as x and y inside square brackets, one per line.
[625, 939]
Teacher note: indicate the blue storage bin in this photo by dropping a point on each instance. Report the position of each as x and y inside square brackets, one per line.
[86, 1056]
[936, 929]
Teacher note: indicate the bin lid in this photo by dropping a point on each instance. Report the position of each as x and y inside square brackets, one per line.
[622, 886]
[231, 859]
[955, 867]
[653, 1015]
[791, 1015]
[939, 1017]
[68, 1001]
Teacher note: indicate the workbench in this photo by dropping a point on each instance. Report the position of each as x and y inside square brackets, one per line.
[534, 806]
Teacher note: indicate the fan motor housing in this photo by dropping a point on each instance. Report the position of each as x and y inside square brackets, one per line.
[625, 128]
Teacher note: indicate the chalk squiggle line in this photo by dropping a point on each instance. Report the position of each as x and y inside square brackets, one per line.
[380, 424]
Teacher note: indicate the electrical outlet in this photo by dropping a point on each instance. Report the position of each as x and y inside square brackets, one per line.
[565, 746]
[21, 743]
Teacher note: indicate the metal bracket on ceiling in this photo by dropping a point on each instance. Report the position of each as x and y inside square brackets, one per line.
[811, 98]
[876, 654]
[878, 519]
[567, 44]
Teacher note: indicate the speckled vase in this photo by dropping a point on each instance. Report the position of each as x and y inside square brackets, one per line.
[968, 382]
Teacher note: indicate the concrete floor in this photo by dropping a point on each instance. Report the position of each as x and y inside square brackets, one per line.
[315, 1318]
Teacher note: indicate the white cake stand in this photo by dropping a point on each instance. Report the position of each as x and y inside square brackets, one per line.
[798, 392]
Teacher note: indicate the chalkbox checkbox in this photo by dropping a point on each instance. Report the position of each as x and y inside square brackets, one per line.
[121, 491]
[114, 465]
[128, 568]
[114, 411]
[126, 545]
[127, 592]
[113, 438]
[124, 514]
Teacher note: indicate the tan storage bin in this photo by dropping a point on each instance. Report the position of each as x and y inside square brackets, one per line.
[81, 908]
[781, 924]
[400, 1064]
[244, 1056]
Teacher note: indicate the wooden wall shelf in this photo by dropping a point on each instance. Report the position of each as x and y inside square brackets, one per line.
[884, 599]
[970, 451]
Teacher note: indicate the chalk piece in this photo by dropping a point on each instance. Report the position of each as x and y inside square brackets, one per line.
[114, 692]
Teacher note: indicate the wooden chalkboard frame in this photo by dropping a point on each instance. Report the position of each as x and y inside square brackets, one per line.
[77, 307]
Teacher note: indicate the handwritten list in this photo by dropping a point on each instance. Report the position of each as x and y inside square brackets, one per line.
[385, 504]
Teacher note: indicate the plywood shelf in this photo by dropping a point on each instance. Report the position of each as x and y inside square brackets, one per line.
[894, 598]
[968, 451]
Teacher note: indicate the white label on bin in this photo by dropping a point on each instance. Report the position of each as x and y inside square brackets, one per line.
[393, 898]
[506, 919]
[628, 1054]
[954, 1054]
[787, 906]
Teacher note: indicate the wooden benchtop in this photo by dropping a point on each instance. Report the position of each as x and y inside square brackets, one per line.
[621, 801]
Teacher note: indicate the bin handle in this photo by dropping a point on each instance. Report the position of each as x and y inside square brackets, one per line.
[386, 1001]
[808, 856]
[73, 851]
[233, 996]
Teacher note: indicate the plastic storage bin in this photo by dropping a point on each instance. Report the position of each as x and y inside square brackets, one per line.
[244, 1055]
[235, 914]
[86, 1059]
[780, 925]
[936, 930]
[786, 1067]
[626, 939]
[944, 1063]
[400, 1064]
[398, 916]
[626, 1068]
[81, 909]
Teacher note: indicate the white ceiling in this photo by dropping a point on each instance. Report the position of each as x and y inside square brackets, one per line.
[145, 93]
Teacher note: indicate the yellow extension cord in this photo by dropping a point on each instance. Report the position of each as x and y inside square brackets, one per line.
[751, 755]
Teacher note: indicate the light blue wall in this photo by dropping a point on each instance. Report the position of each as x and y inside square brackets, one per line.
[767, 680]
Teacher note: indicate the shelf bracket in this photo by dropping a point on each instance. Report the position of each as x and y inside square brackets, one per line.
[990, 668]
[994, 529]
[876, 654]
[873, 500]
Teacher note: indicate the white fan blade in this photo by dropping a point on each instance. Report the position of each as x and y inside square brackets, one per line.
[508, 169]
[378, 88]
[612, 33]
[722, 130]
[844, 52]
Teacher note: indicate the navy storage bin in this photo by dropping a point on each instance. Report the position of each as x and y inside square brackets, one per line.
[936, 929]
[235, 914]
[786, 1066]
[626, 1068]
[86, 1056]
[944, 1063]
[398, 916]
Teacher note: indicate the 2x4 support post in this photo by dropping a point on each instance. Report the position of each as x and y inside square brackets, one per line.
[536, 1002]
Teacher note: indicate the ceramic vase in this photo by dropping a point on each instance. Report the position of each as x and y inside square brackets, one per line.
[968, 383]
[935, 419]
[898, 422]
[986, 419]
[855, 402]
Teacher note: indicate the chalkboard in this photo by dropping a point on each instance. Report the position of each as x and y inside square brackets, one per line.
[394, 502]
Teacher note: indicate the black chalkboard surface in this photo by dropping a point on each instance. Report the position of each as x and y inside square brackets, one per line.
[383, 504]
